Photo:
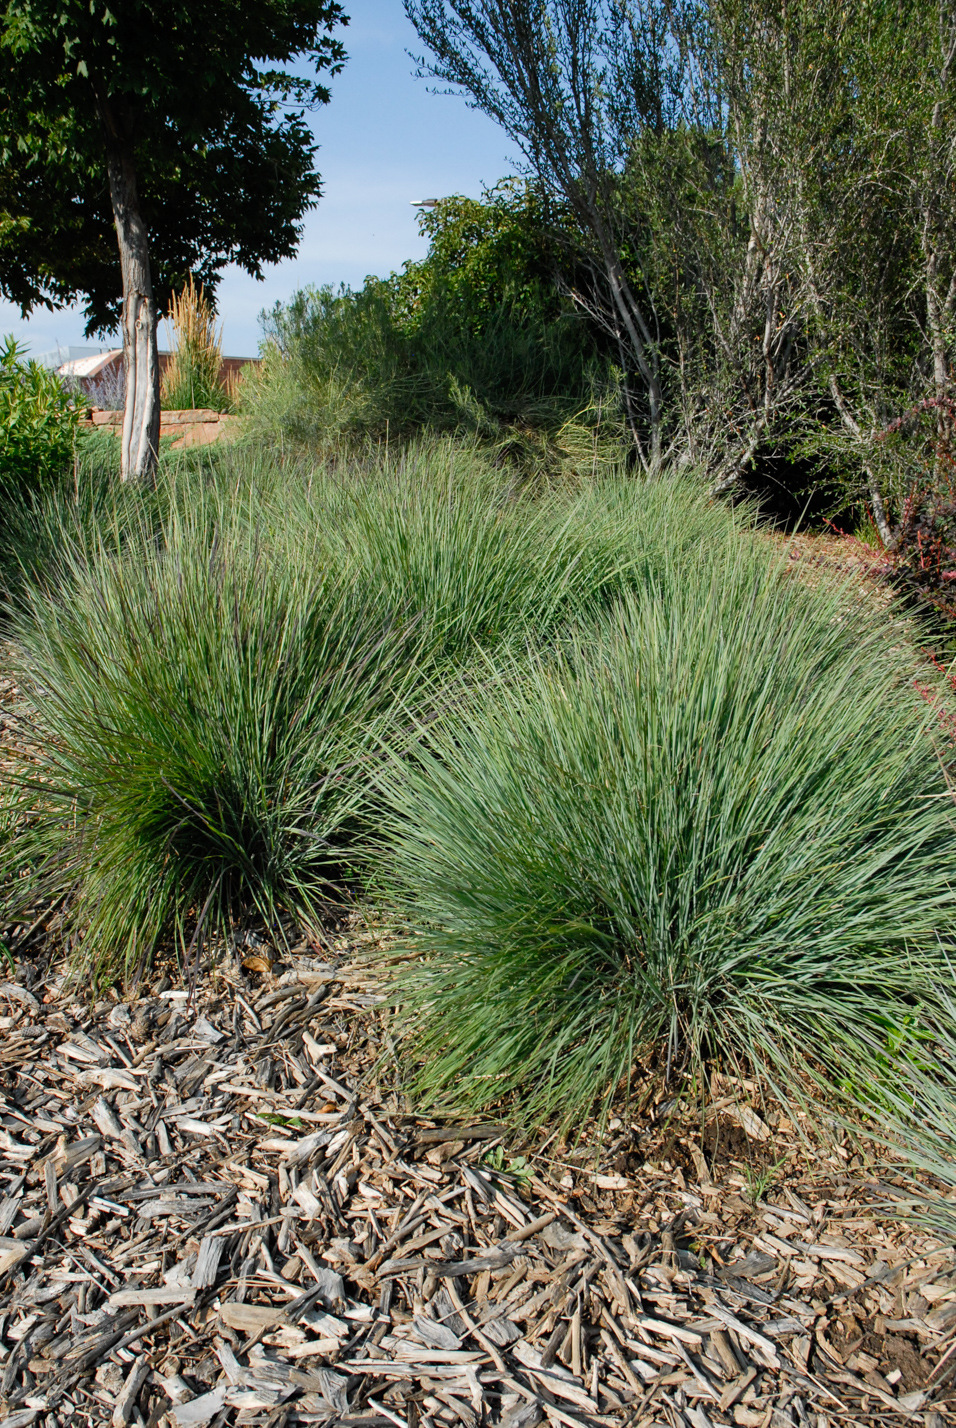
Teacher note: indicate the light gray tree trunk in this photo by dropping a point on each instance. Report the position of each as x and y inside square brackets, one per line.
[140, 440]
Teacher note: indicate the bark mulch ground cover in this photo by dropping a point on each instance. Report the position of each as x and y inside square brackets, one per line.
[217, 1208]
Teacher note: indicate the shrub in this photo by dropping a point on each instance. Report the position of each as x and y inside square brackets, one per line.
[912, 462]
[474, 341]
[925, 550]
[342, 369]
[108, 391]
[484, 254]
[708, 830]
[38, 423]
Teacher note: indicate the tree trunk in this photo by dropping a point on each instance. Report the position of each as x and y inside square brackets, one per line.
[621, 317]
[140, 440]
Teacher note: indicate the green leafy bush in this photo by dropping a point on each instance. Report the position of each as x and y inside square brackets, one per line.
[343, 369]
[707, 830]
[474, 341]
[38, 422]
[485, 254]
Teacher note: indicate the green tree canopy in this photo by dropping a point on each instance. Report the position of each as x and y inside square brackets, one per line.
[762, 205]
[182, 125]
[501, 251]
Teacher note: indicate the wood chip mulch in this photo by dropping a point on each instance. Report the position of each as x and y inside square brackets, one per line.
[218, 1209]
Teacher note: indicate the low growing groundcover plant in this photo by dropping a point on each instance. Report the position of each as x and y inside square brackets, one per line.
[714, 828]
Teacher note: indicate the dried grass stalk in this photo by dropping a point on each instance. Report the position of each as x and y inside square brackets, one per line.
[192, 378]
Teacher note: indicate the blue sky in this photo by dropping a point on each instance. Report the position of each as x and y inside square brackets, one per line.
[385, 140]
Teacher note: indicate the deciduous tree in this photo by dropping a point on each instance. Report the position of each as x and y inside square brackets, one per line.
[762, 192]
[572, 82]
[183, 126]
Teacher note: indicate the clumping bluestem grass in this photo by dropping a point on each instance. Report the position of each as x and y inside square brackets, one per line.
[714, 828]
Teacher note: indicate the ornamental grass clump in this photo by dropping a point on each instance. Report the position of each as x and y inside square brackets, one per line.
[219, 667]
[433, 533]
[205, 715]
[442, 533]
[192, 378]
[713, 829]
[908, 1107]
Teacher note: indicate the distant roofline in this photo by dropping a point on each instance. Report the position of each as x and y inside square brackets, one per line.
[66, 353]
[77, 361]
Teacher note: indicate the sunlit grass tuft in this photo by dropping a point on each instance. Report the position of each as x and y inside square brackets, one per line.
[217, 667]
[716, 829]
[480, 563]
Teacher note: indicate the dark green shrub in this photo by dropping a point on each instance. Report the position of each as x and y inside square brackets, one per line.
[485, 254]
[351, 367]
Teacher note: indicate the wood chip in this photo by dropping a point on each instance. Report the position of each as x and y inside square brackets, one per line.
[227, 1219]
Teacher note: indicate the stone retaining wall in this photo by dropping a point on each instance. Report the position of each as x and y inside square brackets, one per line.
[198, 426]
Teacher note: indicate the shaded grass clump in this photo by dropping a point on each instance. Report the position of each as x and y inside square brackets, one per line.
[205, 717]
[716, 828]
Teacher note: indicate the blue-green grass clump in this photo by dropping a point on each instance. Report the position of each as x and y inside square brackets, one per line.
[714, 828]
[480, 565]
[217, 669]
[204, 717]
